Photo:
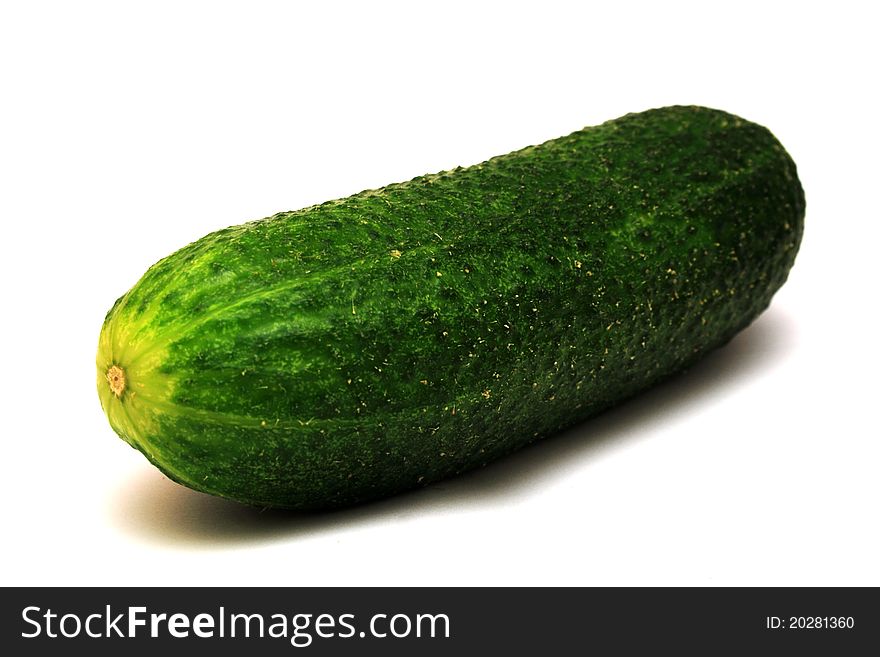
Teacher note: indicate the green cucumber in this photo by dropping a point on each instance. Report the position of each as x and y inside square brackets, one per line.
[373, 344]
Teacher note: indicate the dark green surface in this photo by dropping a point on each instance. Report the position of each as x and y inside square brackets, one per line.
[369, 345]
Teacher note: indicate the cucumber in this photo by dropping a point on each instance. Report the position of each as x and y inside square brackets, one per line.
[358, 348]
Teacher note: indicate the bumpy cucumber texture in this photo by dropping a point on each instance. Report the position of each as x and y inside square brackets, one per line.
[373, 344]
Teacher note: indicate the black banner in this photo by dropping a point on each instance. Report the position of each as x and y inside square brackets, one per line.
[435, 621]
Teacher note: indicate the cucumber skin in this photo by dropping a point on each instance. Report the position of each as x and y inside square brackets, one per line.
[365, 346]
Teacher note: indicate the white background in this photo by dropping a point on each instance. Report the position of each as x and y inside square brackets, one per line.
[130, 130]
